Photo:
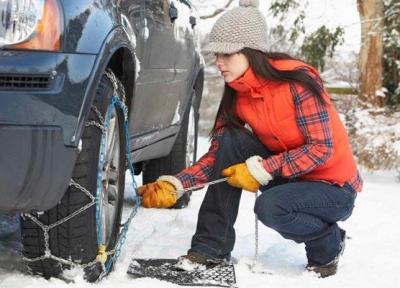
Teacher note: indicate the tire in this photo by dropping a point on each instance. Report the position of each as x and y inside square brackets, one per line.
[76, 239]
[183, 153]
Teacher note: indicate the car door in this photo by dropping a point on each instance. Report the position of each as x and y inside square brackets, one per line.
[184, 59]
[155, 53]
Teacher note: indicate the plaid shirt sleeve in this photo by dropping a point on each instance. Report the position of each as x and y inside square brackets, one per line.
[200, 172]
[313, 120]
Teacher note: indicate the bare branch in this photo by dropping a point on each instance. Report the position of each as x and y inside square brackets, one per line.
[217, 11]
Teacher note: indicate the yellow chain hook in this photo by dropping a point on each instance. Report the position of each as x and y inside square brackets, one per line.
[101, 254]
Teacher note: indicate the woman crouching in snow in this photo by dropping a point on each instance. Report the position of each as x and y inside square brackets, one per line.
[276, 131]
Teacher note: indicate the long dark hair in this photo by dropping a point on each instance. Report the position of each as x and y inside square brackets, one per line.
[258, 62]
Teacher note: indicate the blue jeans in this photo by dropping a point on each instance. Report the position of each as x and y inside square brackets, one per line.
[303, 211]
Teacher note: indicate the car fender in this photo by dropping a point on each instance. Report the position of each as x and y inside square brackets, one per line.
[115, 40]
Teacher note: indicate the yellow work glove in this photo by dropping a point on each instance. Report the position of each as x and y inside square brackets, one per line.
[159, 194]
[240, 177]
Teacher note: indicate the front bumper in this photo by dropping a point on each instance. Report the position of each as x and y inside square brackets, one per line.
[35, 167]
[39, 125]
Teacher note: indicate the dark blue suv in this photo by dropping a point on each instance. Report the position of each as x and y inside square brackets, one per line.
[61, 62]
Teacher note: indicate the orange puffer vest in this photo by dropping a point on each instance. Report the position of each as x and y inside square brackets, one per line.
[268, 107]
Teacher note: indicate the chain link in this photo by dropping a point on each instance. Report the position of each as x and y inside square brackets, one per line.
[83, 189]
[95, 124]
[47, 228]
[98, 114]
[255, 238]
[116, 85]
[121, 238]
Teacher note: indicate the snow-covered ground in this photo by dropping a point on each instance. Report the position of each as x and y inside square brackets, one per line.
[371, 258]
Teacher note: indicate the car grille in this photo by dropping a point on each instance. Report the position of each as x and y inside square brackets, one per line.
[24, 82]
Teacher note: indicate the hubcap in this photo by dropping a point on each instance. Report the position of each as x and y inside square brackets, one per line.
[109, 203]
[190, 140]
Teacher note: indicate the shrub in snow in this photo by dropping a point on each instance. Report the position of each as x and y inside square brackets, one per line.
[375, 136]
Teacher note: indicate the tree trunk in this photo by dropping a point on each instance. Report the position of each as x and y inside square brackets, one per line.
[371, 52]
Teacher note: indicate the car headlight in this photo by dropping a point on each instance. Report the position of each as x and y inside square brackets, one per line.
[30, 24]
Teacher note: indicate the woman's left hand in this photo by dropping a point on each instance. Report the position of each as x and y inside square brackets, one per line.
[240, 177]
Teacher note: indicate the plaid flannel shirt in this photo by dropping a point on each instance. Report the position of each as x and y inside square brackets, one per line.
[312, 118]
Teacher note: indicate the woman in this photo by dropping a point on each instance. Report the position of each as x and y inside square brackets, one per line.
[276, 131]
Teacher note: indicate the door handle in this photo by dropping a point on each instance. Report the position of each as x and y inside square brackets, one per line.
[173, 12]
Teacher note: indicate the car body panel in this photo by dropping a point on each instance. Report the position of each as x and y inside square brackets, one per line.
[157, 61]
[87, 24]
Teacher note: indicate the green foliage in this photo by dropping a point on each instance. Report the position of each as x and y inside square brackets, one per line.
[391, 58]
[280, 9]
[319, 44]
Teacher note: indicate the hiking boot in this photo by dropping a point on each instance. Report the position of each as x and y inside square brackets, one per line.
[194, 261]
[330, 268]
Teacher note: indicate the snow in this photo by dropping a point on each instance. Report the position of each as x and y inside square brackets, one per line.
[177, 117]
[187, 265]
[371, 258]
[386, 138]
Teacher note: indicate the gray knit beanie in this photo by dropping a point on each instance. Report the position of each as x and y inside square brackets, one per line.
[238, 28]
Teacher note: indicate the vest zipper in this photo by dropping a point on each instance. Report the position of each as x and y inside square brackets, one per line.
[267, 116]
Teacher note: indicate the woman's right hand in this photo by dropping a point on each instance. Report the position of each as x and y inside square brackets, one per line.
[159, 194]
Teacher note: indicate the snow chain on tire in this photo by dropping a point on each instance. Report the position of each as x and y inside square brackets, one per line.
[105, 258]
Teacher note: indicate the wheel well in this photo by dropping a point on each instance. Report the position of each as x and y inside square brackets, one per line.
[123, 66]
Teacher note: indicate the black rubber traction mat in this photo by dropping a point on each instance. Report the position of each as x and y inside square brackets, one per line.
[163, 269]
